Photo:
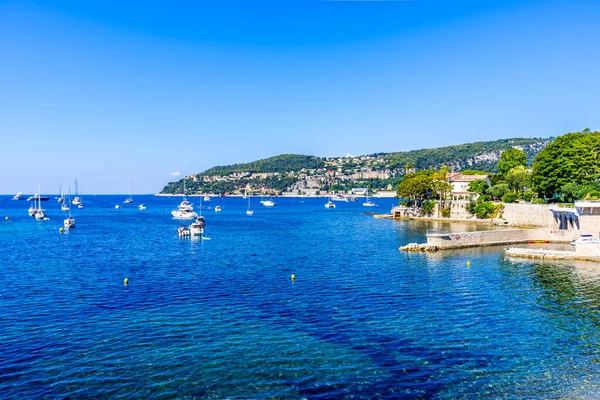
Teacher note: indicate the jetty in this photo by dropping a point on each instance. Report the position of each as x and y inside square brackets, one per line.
[458, 240]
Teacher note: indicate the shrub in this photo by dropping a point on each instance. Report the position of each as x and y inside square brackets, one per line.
[527, 196]
[471, 207]
[509, 197]
[428, 207]
[403, 203]
[593, 195]
[537, 200]
[446, 212]
[497, 210]
[484, 210]
[484, 198]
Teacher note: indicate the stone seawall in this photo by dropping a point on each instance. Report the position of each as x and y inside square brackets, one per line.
[538, 215]
[497, 237]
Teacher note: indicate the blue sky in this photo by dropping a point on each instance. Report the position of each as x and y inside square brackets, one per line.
[94, 89]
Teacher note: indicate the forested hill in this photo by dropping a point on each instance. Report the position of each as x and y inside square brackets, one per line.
[281, 163]
[302, 173]
[479, 155]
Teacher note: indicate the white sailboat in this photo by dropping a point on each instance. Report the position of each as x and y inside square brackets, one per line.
[69, 223]
[61, 199]
[129, 199]
[76, 200]
[39, 213]
[248, 211]
[369, 203]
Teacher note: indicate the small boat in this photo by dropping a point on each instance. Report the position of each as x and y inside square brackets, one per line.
[76, 201]
[129, 199]
[39, 213]
[65, 206]
[117, 206]
[142, 207]
[338, 197]
[249, 211]
[18, 196]
[268, 203]
[585, 238]
[69, 223]
[184, 231]
[197, 228]
[80, 205]
[31, 210]
[217, 208]
[369, 203]
[206, 198]
[330, 204]
[37, 197]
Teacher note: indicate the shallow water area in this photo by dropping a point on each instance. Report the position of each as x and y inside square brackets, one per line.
[222, 318]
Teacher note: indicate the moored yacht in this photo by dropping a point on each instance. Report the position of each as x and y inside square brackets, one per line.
[69, 223]
[330, 204]
[18, 196]
[197, 227]
[142, 207]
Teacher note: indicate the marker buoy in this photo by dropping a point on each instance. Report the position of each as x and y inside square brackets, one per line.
[126, 281]
[468, 263]
[61, 230]
[293, 277]
[6, 218]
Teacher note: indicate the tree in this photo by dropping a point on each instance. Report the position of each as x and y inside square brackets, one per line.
[511, 158]
[416, 186]
[571, 158]
[518, 178]
[479, 186]
[499, 190]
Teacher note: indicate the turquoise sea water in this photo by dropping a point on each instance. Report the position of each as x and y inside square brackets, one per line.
[221, 318]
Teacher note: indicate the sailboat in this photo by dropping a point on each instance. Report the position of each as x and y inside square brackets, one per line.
[61, 199]
[329, 204]
[129, 199]
[39, 213]
[248, 211]
[369, 203]
[69, 223]
[76, 200]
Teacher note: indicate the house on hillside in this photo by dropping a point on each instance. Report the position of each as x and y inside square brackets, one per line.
[460, 182]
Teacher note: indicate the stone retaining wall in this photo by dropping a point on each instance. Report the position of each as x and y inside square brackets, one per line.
[529, 215]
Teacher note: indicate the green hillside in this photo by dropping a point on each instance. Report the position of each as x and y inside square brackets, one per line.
[302, 173]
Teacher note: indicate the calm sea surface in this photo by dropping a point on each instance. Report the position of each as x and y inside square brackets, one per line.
[221, 318]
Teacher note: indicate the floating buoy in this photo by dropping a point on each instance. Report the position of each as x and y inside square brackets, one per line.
[6, 218]
[468, 263]
[61, 230]
[126, 281]
[293, 277]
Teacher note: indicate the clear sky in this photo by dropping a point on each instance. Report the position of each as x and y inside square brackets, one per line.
[95, 89]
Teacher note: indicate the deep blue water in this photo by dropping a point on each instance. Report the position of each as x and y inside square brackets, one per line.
[221, 317]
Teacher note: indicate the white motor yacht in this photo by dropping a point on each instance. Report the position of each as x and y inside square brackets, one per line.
[117, 206]
[206, 198]
[142, 207]
[330, 204]
[18, 196]
[585, 238]
[268, 203]
[76, 200]
[217, 208]
[183, 214]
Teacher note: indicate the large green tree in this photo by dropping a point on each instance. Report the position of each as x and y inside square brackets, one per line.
[571, 158]
[416, 186]
[518, 178]
[511, 158]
